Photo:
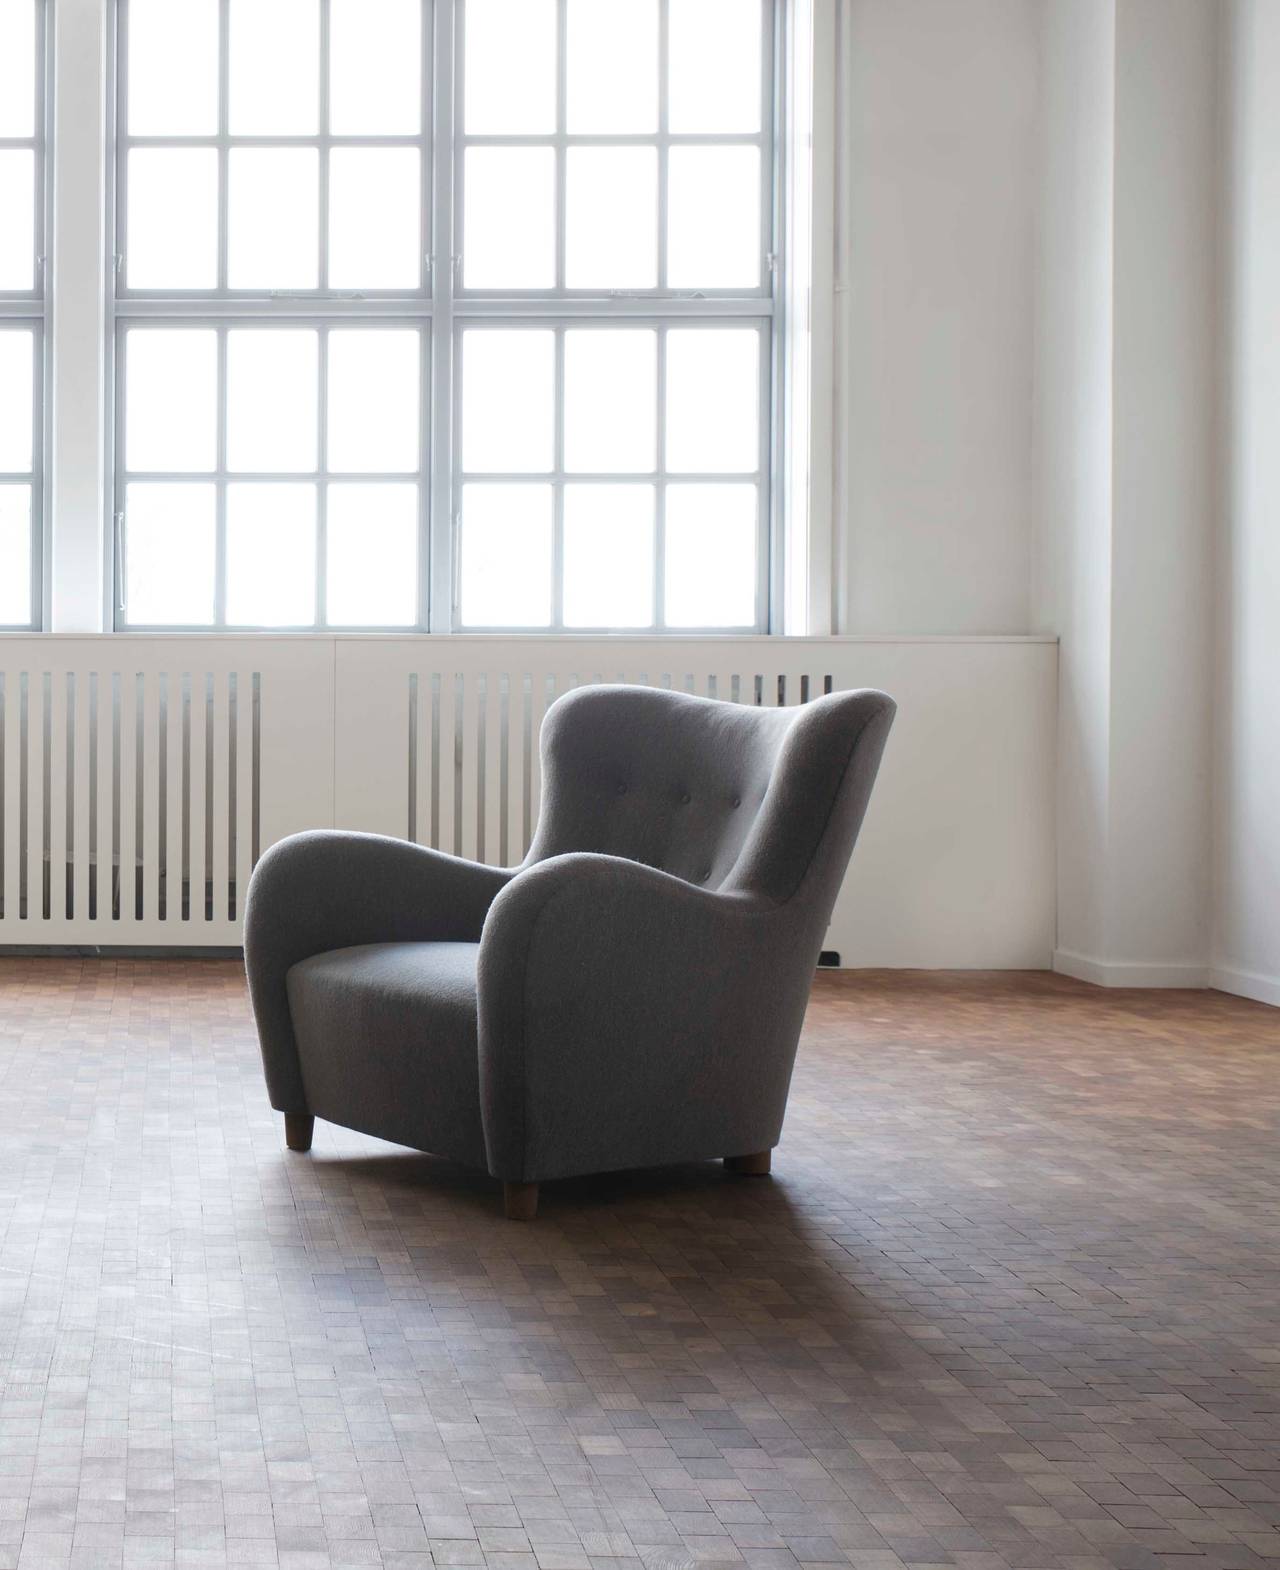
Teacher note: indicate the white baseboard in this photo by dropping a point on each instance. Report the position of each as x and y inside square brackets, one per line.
[1246, 984]
[1112, 973]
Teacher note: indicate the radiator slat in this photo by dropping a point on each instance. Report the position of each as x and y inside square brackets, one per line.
[470, 796]
[126, 859]
[102, 872]
[494, 796]
[449, 836]
[243, 820]
[12, 794]
[59, 786]
[221, 801]
[152, 867]
[171, 891]
[82, 802]
[196, 912]
[33, 857]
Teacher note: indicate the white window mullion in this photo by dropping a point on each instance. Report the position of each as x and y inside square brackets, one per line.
[807, 441]
[78, 575]
[444, 277]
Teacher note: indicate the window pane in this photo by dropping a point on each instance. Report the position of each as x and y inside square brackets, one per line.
[272, 400]
[15, 555]
[376, 53]
[373, 400]
[509, 238]
[17, 399]
[715, 78]
[17, 218]
[169, 554]
[713, 400]
[508, 402]
[173, 218]
[510, 67]
[17, 71]
[173, 67]
[271, 555]
[714, 240]
[373, 555]
[272, 237]
[711, 556]
[275, 67]
[506, 556]
[375, 220]
[612, 218]
[610, 400]
[612, 66]
[608, 555]
[171, 391]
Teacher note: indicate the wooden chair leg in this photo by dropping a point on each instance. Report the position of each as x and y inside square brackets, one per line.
[750, 1166]
[298, 1129]
[520, 1201]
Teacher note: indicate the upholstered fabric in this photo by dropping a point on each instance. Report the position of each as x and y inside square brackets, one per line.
[639, 982]
[411, 1008]
[324, 890]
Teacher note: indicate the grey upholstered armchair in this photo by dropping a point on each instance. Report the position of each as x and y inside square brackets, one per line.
[631, 995]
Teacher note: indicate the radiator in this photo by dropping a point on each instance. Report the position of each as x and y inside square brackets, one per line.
[131, 780]
[142, 777]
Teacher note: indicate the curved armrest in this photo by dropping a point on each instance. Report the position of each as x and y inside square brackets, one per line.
[629, 1018]
[329, 890]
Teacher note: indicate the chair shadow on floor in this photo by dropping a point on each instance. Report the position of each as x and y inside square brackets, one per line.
[412, 1181]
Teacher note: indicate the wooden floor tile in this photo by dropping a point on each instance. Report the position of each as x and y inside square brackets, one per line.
[1010, 1301]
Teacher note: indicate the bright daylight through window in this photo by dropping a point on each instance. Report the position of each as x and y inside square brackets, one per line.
[21, 310]
[443, 319]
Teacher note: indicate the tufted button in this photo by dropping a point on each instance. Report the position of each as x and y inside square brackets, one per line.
[622, 787]
[685, 798]
[737, 801]
[704, 874]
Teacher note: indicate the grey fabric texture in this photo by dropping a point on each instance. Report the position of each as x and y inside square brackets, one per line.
[411, 1010]
[639, 982]
[330, 890]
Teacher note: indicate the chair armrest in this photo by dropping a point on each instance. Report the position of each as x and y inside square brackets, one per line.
[328, 890]
[628, 1018]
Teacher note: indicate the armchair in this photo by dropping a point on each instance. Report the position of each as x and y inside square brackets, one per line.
[631, 995]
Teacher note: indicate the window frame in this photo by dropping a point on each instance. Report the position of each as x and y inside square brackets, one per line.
[223, 475]
[660, 307]
[558, 477]
[444, 307]
[561, 140]
[28, 310]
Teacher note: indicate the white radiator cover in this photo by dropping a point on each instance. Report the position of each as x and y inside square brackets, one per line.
[172, 762]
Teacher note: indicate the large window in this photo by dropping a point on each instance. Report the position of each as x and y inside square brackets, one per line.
[453, 318]
[272, 306]
[21, 309]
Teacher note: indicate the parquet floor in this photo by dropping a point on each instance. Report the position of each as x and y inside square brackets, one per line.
[1012, 1299]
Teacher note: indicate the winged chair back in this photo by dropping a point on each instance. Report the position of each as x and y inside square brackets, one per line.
[729, 797]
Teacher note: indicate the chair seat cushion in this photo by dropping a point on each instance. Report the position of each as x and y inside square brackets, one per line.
[386, 1035]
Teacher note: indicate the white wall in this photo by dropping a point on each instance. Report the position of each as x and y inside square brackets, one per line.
[1246, 947]
[1072, 437]
[938, 186]
[1165, 418]
[1124, 473]
[1027, 403]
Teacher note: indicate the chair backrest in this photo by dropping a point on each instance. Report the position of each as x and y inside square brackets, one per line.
[743, 799]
